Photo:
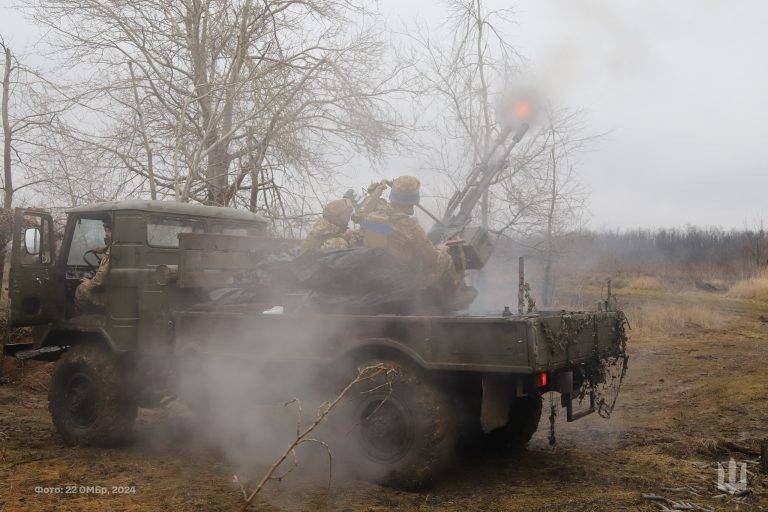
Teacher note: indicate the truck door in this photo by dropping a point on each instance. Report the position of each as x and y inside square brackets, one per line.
[34, 292]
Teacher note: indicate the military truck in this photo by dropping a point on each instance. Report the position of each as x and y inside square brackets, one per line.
[452, 376]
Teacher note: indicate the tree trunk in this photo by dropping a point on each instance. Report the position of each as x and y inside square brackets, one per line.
[217, 178]
[144, 135]
[253, 203]
[7, 135]
[481, 277]
[486, 142]
[548, 291]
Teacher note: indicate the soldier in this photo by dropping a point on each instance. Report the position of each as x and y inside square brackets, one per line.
[394, 228]
[90, 292]
[330, 233]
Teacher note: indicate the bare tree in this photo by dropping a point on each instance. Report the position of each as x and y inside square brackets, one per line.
[73, 172]
[473, 87]
[755, 245]
[565, 200]
[225, 102]
[462, 82]
[30, 105]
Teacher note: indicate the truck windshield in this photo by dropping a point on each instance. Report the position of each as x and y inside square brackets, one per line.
[89, 234]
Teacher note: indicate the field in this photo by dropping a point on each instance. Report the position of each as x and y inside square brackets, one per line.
[695, 394]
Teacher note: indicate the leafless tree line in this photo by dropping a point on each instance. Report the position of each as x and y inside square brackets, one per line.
[245, 104]
[259, 104]
[684, 253]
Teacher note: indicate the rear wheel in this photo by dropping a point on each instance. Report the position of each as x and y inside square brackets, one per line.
[89, 398]
[524, 416]
[404, 427]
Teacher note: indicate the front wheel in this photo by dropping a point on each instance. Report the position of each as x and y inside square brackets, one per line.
[404, 427]
[89, 399]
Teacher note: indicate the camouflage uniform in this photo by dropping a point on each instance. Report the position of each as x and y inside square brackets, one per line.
[327, 234]
[91, 293]
[393, 227]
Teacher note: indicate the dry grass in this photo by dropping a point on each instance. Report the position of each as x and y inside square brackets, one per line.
[651, 320]
[754, 288]
[643, 283]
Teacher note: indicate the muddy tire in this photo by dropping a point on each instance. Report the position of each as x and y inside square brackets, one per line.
[89, 399]
[404, 434]
[524, 416]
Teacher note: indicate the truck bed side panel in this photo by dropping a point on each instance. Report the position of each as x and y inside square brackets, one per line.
[462, 343]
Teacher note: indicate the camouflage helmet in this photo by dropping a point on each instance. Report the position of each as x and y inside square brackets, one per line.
[338, 212]
[334, 244]
[405, 191]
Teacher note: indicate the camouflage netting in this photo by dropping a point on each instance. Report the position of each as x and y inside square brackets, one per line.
[606, 378]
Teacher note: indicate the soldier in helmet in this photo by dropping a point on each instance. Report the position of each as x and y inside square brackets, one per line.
[90, 294]
[331, 232]
[394, 228]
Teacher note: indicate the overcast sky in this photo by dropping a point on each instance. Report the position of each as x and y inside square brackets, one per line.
[681, 88]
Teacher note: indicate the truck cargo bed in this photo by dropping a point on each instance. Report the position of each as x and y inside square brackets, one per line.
[510, 344]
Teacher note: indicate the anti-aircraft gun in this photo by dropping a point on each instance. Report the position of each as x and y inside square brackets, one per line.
[444, 378]
[471, 246]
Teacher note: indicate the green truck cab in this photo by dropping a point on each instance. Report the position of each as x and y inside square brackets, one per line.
[455, 376]
[41, 279]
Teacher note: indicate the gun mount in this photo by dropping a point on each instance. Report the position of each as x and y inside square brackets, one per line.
[471, 247]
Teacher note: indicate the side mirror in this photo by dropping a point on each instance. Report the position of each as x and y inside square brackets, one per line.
[32, 241]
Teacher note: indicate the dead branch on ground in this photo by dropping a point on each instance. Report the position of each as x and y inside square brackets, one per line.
[304, 436]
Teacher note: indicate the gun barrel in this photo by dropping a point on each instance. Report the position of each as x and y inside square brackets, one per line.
[480, 179]
[487, 175]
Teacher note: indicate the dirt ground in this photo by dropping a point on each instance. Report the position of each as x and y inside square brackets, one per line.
[693, 397]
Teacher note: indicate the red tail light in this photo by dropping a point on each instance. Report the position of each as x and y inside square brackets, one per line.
[543, 380]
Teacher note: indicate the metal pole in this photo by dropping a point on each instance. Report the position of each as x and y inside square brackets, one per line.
[521, 285]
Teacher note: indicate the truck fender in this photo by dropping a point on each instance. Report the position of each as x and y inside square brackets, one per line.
[68, 338]
[384, 348]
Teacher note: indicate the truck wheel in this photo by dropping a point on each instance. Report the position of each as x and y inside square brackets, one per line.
[524, 416]
[89, 399]
[404, 428]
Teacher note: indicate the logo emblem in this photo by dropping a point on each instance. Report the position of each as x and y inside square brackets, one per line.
[731, 485]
